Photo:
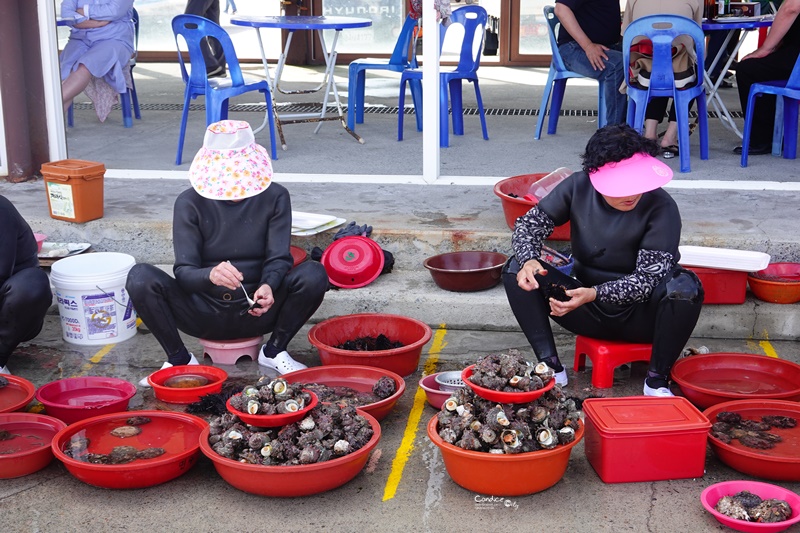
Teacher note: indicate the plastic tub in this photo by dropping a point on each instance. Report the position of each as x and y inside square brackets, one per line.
[273, 421]
[781, 463]
[711, 495]
[177, 433]
[713, 378]
[74, 399]
[500, 396]
[504, 474]
[29, 450]
[74, 189]
[404, 361]
[778, 283]
[724, 258]
[645, 439]
[466, 271]
[513, 208]
[16, 395]
[40, 238]
[435, 396]
[295, 480]
[722, 286]
[94, 306]
[215, 376]
[360, 378]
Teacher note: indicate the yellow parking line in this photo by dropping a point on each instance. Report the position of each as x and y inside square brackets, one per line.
[767, 347]
[407, 444]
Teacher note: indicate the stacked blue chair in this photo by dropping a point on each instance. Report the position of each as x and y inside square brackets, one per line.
[473, 19]
[662, 30]
[129, 95]
[557, 83]
[787, 93]
[400, 60]
[217, 91]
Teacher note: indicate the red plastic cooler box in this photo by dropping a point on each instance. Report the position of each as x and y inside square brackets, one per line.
[722, 286]
[645, 439]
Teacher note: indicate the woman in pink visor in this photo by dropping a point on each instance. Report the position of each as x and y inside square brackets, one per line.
[627, 283]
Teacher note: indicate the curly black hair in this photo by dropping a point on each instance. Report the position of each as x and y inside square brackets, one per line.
[615, 143]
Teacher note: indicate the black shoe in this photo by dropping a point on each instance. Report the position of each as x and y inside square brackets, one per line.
[218, 72]
[755, 149]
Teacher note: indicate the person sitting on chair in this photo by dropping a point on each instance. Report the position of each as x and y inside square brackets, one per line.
[589, 43]
[25, 294]
[625, 231]
[231, 236]
[100, 46]
[773, 60]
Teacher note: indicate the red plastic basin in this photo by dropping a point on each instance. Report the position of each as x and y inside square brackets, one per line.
[215, 376]
[16, 395]
[433, 394]
[298, 255]
[295, 480]
[781, 463]
[503, 474]
[273, 421]
[513, 208]
[29, 450]
[500, 396]
[778, 283]
[360, 378]
[466, 271]
[74, 399]
[722, 377]
[177, 433]
[333, 332]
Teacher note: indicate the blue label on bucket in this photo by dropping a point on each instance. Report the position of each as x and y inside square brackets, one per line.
[128, 310]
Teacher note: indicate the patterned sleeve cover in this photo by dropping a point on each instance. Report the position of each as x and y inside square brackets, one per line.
[530, 231]
[651, 267]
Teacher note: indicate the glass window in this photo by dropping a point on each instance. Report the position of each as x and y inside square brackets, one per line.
[387, 18]
[533, 39]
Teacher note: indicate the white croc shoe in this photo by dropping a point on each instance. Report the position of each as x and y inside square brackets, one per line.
[146, 384]
[661, 392]
[5, 370]
[561, 378]
[281, 363]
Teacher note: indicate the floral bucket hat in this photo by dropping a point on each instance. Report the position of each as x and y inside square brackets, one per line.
[230, 165]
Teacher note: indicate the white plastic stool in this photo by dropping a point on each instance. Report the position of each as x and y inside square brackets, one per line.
[228, 352]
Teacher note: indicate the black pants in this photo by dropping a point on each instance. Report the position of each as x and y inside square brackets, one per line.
[25, 298]
[657, 106]
[666, 320]
[212, 53]
[776, 66]
[165, 308]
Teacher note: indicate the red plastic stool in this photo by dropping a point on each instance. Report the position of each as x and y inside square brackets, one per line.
[228, 352]
[606, 356]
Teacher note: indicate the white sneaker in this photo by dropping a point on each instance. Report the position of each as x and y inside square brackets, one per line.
[281, 363]
[146, 384]
[561, 378]
[661, 392]
[5, 370]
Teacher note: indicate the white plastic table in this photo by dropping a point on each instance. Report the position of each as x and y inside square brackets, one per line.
[730, 25]
[292, 24]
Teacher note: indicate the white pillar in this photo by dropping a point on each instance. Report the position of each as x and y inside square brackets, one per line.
[51, 75]
[430, 93]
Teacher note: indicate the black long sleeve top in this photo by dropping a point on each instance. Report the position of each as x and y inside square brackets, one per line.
[253, 234]
[622, 254]
[18, 249]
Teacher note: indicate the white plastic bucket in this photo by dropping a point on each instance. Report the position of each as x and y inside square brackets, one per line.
[94, 306]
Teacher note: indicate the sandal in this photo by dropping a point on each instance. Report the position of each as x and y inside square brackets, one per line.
[281, 363]
[668, 152]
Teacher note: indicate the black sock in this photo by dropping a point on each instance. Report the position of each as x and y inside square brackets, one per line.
[655, 380]
[182, 357]
[270, 350]
[553, 363]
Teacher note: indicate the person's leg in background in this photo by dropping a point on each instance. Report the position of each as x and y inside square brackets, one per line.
[213, 54]
[612, 76]
[25, 298]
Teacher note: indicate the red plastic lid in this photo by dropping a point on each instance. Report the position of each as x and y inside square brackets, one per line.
[640, 414]
[353, 262]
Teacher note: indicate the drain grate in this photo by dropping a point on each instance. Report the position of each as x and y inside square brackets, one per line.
[374, 110]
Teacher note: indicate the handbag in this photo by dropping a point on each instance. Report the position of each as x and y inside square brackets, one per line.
[491, 42]
[684, 65]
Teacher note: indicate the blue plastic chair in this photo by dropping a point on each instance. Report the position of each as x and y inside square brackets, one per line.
[787, 93]
[557, 83]
[217, 91]
[400, 60]
[128, 96]
[661, 30]
[473, 19]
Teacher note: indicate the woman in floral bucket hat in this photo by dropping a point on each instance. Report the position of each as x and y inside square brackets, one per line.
[231, 229]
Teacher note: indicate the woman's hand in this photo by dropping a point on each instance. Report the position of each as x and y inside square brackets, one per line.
[226, 275]
[525, 276]
[578, 297]
[264, 298]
